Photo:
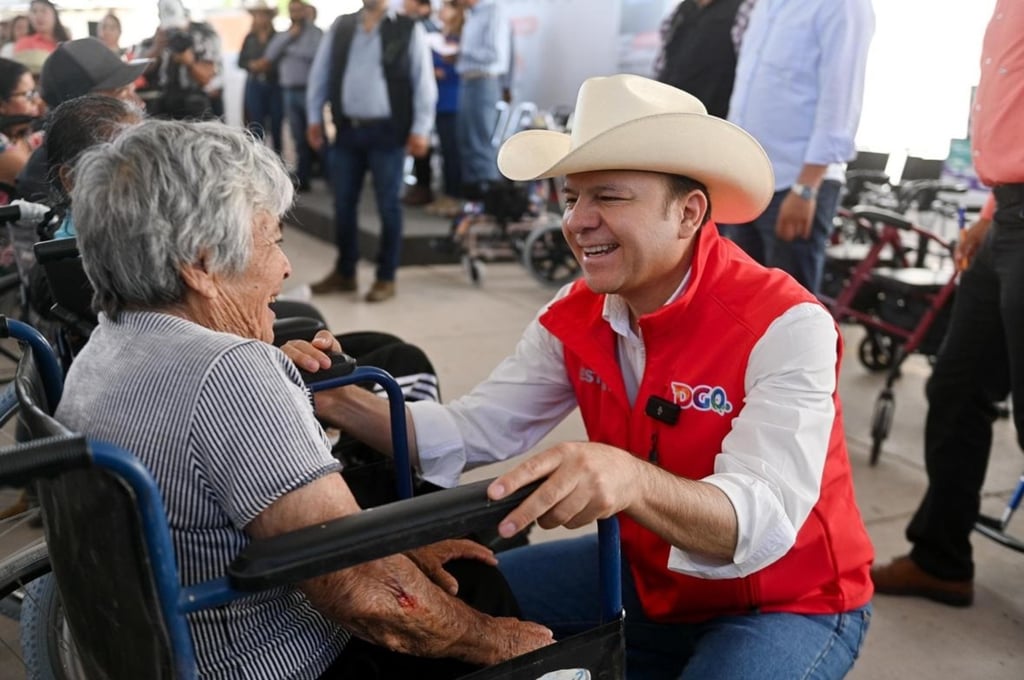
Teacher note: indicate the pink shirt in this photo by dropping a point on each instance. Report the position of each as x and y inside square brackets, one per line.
[997, 137]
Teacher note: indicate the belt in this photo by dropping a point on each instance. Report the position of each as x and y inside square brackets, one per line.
[476, 75]
[363, 122]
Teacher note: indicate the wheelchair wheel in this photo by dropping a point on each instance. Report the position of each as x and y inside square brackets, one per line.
[881, 422]
[46, 645]
[17, 570]
[876, 351]
[547, 256]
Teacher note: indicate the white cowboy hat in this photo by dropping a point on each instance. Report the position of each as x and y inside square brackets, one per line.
[627, 122]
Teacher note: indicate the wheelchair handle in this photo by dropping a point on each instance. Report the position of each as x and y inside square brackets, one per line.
[46, 457]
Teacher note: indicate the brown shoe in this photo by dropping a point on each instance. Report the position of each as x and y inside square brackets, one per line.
[335, 283]
[417, 195]
[903, 577]
[381, 291]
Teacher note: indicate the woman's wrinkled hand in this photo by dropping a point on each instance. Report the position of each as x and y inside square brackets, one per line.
[432, 558]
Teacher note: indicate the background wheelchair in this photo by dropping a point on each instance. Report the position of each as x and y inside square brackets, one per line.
[516, 221]
[103, 516]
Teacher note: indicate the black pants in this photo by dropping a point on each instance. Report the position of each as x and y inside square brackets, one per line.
[981, 359]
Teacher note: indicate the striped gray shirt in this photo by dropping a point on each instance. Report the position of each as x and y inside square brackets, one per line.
[226, 428]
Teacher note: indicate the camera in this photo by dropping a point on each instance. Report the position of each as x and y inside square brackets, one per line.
[179, 40]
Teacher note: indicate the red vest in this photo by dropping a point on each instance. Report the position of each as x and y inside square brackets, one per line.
[697, 353]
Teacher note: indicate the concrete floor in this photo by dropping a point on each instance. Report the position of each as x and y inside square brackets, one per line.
[466, 330]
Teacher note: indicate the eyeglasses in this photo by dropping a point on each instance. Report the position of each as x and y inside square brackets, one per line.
[29, 94]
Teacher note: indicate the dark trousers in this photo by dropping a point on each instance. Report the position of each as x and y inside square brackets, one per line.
[355, 151]
[294, 102]
[451, 157]
[264, 110]
[803, 259]
[981, 358]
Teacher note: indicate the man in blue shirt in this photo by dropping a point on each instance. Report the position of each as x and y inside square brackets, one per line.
[292, 53]
[799, 89]
[375, 69]
[485, 52]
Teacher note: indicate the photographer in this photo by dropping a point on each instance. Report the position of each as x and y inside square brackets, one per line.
[186, 59]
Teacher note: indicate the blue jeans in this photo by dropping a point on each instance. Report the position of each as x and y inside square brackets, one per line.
[803, 259]
[356, 150]
[556, 584]
[295, 111]
[477, 115]
[263, 105]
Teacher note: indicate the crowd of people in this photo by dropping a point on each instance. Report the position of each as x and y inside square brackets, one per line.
[704, 368]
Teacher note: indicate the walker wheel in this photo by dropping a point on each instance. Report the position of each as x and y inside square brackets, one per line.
[474, 270]
[876, 351]
[881, 422]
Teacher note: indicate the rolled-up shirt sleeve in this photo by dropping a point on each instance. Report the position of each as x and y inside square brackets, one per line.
[772, 460]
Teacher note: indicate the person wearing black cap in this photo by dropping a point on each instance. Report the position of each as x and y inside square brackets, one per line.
[76, 68]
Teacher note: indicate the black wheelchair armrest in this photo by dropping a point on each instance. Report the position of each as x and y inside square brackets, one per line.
[296, 328]
[369, 535]
[874, 214]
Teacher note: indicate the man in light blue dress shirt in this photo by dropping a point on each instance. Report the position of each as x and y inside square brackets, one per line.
[485, 52]
[375, 69]
[799, 90]
[293, 51]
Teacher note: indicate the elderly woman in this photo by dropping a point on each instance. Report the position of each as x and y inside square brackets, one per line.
[180, 234]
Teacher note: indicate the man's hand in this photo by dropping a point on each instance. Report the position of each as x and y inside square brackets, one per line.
[313, 355]
[315, 136]
[417, 145]
[970, 240]
[261, 65]
[432, 558]
[295, 30]
[796, 215]
[585, 482]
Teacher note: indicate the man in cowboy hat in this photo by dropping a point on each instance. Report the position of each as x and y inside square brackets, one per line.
[707, 384]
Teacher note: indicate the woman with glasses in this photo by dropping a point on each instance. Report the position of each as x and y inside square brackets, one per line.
[20, 105]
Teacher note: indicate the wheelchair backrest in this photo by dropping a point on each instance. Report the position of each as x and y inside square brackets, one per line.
[94, 537]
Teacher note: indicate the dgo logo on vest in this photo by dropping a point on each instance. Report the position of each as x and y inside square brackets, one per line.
[701, 398]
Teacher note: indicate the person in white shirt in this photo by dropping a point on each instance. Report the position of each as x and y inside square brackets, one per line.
[707, 385]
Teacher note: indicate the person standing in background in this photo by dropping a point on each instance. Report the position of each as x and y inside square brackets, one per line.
[799, 90]
[422, 192]
[375, 69]
[485, 50]
[292, 52]
[45, 33]
[699, 46]
[109, 33]
[262, 93]
[20, 27]
[982, 356]
[451, 16]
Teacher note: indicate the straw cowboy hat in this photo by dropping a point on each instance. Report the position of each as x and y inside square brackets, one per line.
[626, 122]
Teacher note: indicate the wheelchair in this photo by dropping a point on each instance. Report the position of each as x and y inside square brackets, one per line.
[114, 567]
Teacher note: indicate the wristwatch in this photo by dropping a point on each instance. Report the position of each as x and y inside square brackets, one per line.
[808, 193]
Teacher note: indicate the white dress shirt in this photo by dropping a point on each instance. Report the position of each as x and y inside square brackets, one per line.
[771, 462]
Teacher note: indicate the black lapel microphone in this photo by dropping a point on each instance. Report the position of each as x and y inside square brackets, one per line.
[662, 410]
